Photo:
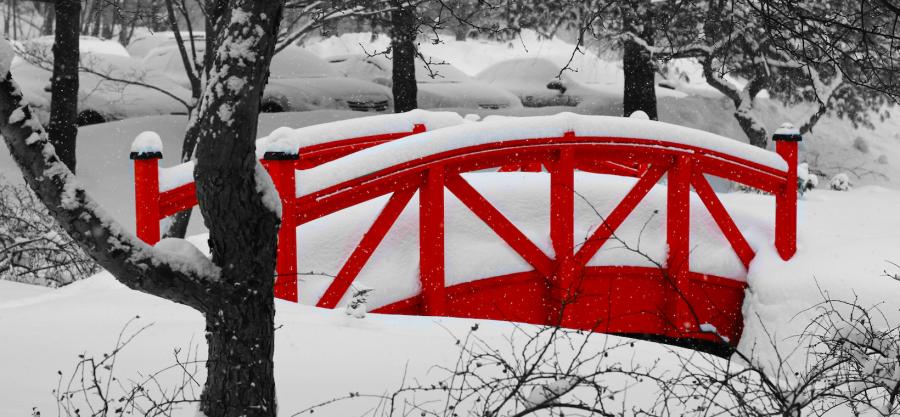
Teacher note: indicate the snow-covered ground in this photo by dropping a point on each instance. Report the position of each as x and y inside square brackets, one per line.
[846, 242]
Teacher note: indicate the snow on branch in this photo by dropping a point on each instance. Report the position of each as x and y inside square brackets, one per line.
[824, 93]
[130, 260]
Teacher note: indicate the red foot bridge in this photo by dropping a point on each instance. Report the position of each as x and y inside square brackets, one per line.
[327, 168]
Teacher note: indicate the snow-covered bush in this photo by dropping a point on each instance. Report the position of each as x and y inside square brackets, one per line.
[805, 180]
[357, 307]
[841, 182]
[33, 248]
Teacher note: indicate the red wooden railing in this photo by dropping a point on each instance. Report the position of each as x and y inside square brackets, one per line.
[152, 205]
[670, 301]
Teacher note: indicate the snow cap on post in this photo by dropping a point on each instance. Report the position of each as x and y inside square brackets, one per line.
[281, 145]
[639, 114]
[147, 145]
[787, 132]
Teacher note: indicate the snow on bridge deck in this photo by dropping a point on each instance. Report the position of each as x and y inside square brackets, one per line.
[495, 129]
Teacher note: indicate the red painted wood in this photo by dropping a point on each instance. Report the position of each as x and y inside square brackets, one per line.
[177, 199]
[615, 218]
[282, 173]
[720, 215]
[678, 231]
[504, 228]
[146, 199]
[316, 205]
[431, 242]
[562, 218]
[613, 299]
[786, 203]
[366, 248]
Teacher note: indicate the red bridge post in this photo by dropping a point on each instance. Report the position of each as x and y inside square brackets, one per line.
[146, 195]
[786, 139]
[678, 231]
[431, 242]
[563, 286]
[281, 168]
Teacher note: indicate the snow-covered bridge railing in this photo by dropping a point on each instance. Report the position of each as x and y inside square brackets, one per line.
[162, 192]
[434, 172]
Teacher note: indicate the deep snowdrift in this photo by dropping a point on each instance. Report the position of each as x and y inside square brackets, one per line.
[846, 241]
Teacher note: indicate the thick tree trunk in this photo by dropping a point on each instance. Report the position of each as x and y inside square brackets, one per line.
[640, 77]
[403, 47]
[231, 191]
[241, 346]
[64, 85]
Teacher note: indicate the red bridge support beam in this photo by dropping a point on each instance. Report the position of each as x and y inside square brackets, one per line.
[281, 169]
[786, 140]
[146, 195]
[431, 242]
[678, 230]
[563, 288]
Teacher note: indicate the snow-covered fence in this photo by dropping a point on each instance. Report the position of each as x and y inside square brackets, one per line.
[668, 299]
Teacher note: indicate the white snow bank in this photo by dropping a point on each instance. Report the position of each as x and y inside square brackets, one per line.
[176, 176]
[147, 142]
[846, 239]
[497, 129]
[288, 140]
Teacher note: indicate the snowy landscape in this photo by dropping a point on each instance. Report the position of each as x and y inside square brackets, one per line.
[450, 208]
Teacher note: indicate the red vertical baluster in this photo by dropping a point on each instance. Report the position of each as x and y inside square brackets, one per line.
[786, 140]
[281, 168]
[431, 242]
[146, 195]
[678, 228]
[562, 194]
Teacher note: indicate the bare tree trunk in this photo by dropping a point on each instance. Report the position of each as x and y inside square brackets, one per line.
[110, 16]
[64, 85]
[181, 220]
[403, 47]
[49, 16]
[242, 228]
[640, 77]
[6, 20]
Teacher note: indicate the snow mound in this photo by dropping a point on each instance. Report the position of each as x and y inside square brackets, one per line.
[147, 142]
[497, 129]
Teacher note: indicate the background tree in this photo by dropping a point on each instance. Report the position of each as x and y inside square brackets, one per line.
[403, 51]
[64, 83]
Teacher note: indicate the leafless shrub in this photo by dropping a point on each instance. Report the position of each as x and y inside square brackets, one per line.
[33, 248]
[94, 389]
